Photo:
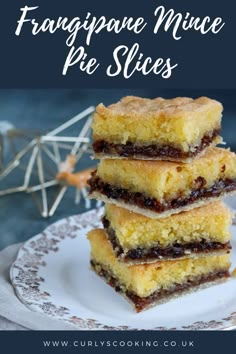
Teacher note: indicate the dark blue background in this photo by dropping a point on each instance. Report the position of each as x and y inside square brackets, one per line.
[43, 110]
[205, 61]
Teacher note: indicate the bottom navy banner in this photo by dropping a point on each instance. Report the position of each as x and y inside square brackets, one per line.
[117, 342]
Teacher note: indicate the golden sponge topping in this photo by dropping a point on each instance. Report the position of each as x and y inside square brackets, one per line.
[180, 122]
[166, 180]
[209, 223]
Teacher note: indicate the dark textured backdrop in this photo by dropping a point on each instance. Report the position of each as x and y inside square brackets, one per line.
[42, 110]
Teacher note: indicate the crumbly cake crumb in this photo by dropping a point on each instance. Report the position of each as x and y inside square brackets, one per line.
[165, 124]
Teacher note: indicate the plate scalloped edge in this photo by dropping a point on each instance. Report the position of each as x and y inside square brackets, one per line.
[27, 281]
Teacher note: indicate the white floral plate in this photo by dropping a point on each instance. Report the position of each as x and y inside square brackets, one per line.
[52, 275]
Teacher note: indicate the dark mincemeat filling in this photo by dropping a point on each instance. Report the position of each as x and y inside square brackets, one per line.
[174, 251]
[130, 149]
[141, 303]
[145, 202]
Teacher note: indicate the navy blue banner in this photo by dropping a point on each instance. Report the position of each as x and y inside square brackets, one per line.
[117, 44]
[117, 342]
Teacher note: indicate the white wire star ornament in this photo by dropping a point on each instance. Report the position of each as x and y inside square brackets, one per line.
[43, 153]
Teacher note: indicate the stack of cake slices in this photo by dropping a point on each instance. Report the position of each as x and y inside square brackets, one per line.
[161, 177]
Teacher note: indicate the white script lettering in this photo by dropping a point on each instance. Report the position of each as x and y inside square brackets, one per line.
[78, 56]
[136, 62]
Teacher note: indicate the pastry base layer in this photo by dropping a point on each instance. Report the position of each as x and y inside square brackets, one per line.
[131, 150]
[163, 295]
[175, 251]
[151, 207]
